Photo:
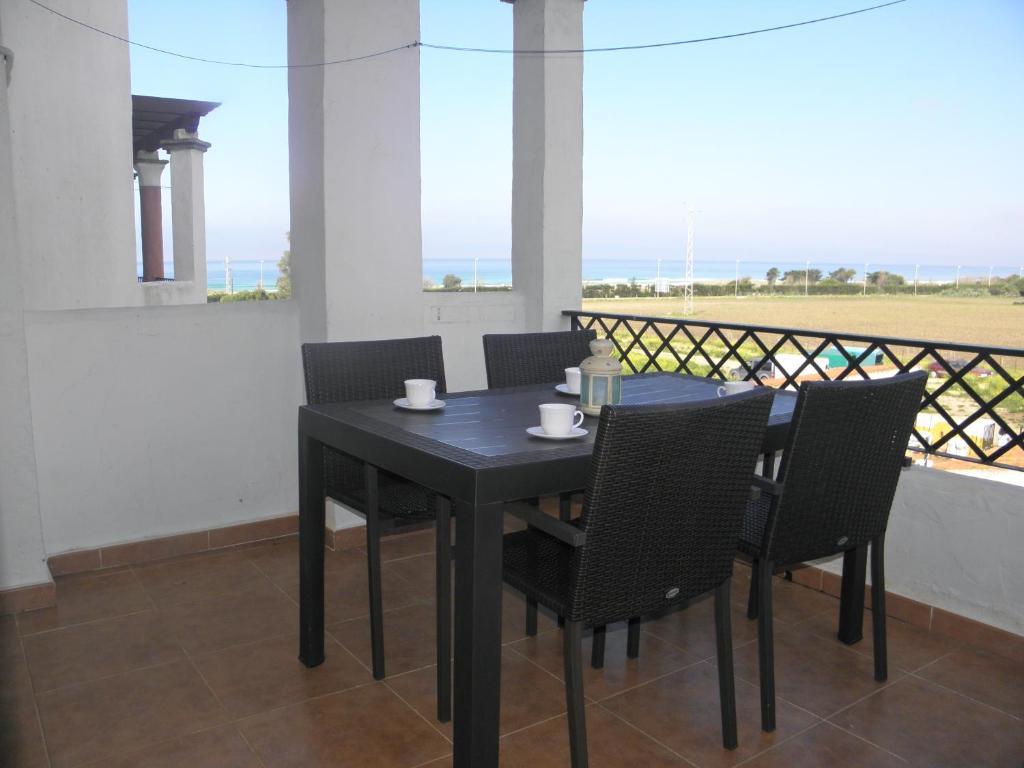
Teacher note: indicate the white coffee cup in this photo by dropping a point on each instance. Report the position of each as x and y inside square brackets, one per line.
[559, 418]
[420, 392]
[735, 387]
[572, 379]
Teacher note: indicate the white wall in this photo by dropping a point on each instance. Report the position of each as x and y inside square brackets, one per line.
[21, 543]
[70, 105]
[955, 542]
[155, 421]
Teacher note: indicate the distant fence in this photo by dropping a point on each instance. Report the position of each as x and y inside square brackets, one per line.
[973, 409]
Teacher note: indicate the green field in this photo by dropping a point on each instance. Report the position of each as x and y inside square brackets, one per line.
[994, 321]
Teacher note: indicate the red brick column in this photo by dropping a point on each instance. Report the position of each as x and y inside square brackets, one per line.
[150, 168]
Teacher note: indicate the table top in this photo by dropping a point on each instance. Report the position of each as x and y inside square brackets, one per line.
[486, 430]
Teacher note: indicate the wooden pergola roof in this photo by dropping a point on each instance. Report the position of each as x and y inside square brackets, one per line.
[154, 119]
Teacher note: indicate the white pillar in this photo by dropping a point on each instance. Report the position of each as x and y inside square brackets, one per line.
[547, 146]
[354, 161]
[188, 210]
[22, 557]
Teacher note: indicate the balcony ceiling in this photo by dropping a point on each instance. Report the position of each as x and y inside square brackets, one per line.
[154, 119]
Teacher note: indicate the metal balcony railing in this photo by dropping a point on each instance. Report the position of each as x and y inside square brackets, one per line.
[973, 409]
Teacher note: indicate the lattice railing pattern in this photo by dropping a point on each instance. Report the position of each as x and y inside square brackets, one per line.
[973, 408]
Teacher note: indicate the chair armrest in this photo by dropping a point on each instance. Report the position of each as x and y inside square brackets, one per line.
[770, 487]
[552, 526]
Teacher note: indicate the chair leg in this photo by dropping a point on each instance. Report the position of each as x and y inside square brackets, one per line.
[752, 598]
[851, 595]
[726, 679]
[573, 653]
[531, 617]
[373, 571]
[597, 648]
[565, 506]
[633, 638]
[766, 645]
[878, 607]
[443, 586]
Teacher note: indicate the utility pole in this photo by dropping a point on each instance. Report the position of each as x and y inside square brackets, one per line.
[807, 276]
[688, 271]
[657, 280]
[958, 276]
[228, 286]
[261, 274]
[916, 267]
[476, 280]
[865, 291]
[990, 277]
[736, 282]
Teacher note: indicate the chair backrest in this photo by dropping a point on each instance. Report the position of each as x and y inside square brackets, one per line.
[516, 359]
[339, 371]
[841, 465]
[664, 502]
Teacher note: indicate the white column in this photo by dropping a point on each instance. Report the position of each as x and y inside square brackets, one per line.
[22, 557]
[354, 147]
[547, 146]
[188, 210]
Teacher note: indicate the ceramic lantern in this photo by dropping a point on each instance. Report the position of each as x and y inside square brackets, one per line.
[600, 378]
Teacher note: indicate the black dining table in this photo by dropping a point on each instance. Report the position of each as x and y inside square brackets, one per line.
[475, 452]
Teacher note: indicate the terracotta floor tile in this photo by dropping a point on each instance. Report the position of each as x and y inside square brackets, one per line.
[409, 638]
[792, 603]
[693, 629]
[825, 746]
[407, 544]
[15, 684]
[418, 572]
[513, 617]
[908, 647]
[200, 577]
[681, 711]
[611, 743]
[262, 612]
[528, 694]
[346, 591]
[21, 740]
[220, 748]
[253, 678]
[619, 672]
[988, 678]
[367, 726]
[115, 715]
[930, 726]
[87, 597]
[10, 642]
[89, 651]
[279, 559]
[816, 673]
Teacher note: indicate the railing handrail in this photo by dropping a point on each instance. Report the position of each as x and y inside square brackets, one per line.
[977, 349]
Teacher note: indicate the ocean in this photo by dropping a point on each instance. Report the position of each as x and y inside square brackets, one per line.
[246, 275]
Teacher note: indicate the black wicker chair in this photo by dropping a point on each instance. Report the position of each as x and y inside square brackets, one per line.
[835, 487]
[516, 359]
[369, 370]
[665, 497]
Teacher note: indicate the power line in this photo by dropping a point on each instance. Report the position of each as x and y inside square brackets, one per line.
[462, 49]
[658, 45]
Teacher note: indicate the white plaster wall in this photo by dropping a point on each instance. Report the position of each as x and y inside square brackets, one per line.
[21, 543]
[955, 542]
[156, 421]
[70, 105]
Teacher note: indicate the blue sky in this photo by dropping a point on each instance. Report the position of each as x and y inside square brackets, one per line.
[891, 137]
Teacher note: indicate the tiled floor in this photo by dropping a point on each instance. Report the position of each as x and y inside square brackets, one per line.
[192, 662]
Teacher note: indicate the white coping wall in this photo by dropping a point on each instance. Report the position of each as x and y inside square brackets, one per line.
[71, 140]
[155, 421]
[955, 542]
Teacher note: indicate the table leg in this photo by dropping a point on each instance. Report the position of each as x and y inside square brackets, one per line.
[311, 551]
[477, 634]
[851, 595]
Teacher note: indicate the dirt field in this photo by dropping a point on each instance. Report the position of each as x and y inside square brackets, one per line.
[990, 321]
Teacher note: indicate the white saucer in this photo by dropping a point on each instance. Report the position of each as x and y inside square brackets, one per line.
[434, 405]
[539, 432]
[563, 389]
